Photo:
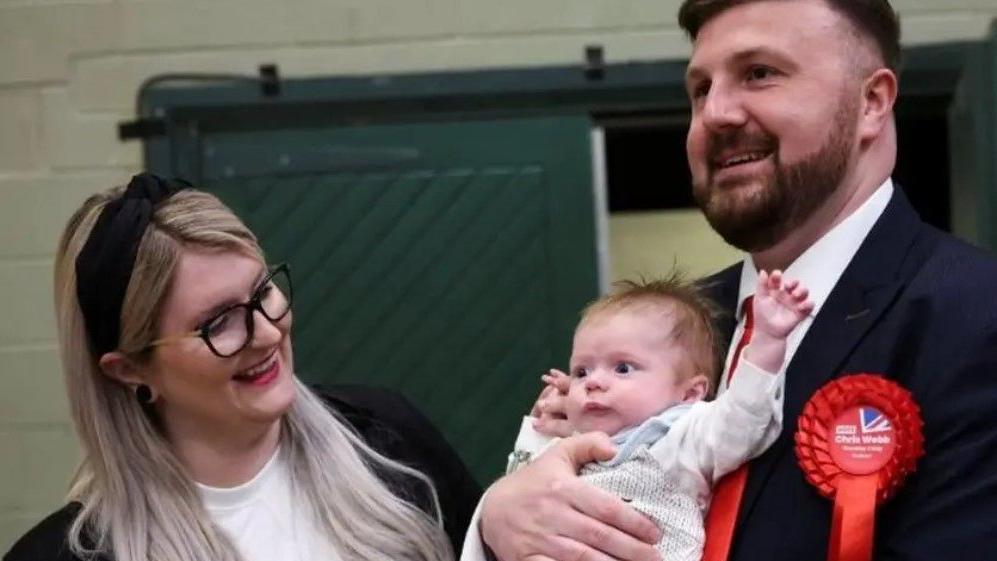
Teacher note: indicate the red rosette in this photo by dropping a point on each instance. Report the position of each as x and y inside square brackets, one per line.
[813, 447]
[857, 440]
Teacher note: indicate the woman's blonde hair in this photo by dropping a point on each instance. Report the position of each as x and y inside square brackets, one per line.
[138, 502]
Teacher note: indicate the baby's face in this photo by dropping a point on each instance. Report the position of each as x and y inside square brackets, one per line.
[624, 369]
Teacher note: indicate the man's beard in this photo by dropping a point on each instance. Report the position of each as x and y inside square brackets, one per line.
[758, 220]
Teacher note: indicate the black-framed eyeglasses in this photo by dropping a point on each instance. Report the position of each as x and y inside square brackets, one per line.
[231, 330]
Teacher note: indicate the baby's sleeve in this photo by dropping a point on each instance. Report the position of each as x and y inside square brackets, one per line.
[716, 437]
[529, 445]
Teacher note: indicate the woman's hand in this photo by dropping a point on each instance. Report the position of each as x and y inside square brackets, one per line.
[549, 410]
[544, 512]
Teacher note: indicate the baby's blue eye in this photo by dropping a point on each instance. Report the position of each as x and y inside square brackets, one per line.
[624, 368]
[579, 372]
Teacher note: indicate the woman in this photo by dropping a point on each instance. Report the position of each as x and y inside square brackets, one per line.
[199, 444]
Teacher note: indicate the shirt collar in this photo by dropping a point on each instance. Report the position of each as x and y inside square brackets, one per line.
[823, 263]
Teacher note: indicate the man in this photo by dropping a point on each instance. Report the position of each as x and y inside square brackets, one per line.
[791, 146]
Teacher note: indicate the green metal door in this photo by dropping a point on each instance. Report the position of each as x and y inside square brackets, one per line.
[973, 145]
[448, 260]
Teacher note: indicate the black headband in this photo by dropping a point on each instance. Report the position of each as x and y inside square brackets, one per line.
[104, 265]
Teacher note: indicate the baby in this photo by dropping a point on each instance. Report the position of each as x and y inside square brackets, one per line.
[644, 360]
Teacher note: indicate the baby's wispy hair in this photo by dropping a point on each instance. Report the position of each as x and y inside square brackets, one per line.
[694, 314]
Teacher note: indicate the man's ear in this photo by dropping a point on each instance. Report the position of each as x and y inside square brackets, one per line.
[118, 366]
[695, 388]
[879, 94]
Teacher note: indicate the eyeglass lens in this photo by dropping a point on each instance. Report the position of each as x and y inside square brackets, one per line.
[230, 331]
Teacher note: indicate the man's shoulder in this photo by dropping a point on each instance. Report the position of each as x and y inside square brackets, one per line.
[46, 541]
[955, 270]
[952, 247]
[946, 302]
[729, 274]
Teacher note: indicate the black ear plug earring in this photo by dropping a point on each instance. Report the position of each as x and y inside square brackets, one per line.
[144, 394]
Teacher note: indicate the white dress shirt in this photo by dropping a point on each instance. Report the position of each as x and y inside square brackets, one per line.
[819, 268]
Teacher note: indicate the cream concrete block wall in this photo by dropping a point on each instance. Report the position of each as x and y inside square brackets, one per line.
[69, 71]
[652, 244]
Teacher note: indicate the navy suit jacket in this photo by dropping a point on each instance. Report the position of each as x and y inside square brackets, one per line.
[919, 307]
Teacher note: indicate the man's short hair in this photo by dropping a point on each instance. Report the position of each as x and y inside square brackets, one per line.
[693, 314]
[874, 19]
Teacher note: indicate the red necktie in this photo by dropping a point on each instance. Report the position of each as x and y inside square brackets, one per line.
[722, 516]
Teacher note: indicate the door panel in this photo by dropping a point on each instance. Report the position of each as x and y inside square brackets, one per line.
[973, 138]
[448, 260]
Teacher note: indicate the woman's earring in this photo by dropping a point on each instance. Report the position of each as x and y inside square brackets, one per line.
[144, 394]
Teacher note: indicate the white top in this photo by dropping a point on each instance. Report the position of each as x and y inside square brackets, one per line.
[263, 519]
[715, 437]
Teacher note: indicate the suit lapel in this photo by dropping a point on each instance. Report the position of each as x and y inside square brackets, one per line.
[865, 291]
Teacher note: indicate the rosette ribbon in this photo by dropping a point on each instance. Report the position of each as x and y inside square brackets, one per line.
[857, 440]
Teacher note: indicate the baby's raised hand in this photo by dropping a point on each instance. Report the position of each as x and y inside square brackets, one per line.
[548, 411]
[779, 304]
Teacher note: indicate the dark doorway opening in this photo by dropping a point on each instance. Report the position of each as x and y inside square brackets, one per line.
[646, 166]
[646, 163]
[923, 161]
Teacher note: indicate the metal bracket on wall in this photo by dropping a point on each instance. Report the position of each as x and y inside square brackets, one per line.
[269, 80]
[142, 128]
[595, 63]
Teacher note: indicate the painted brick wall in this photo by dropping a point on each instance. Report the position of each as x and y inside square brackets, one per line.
[69, 70]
